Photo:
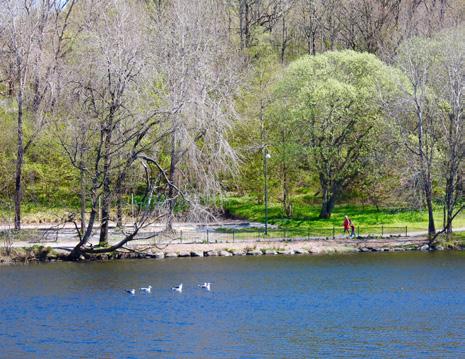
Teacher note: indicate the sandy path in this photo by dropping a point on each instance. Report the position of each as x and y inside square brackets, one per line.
[65, 238]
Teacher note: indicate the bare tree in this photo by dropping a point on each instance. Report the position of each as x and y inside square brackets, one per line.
[252, 14]
[417, 111]
[449, 83]
[100, 124]
[198, 64]
[35, 42]
[156, 100]
[310, 23]
[371, 20]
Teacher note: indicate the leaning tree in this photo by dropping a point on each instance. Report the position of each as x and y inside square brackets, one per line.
[147, 103]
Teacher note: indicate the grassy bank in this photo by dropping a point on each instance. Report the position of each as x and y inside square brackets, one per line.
[305, 215]
[456, 240]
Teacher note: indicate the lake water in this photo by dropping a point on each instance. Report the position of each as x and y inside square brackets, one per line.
[371, 305]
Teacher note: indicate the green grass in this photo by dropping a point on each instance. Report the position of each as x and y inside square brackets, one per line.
[34, 214]
[455, 241]
[304, 221]
[459, 239]
[305, 215]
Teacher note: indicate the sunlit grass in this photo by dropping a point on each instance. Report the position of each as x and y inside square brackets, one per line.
[306, 215]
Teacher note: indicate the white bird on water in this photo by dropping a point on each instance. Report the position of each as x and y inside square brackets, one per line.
[178, 288]
[146, 290]
[206, 286]
[131, 291]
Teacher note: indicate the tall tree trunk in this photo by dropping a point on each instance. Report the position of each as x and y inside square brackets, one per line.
[312, 46]
[83, 198]
[105, 212]
[431, 226]
[94, 212]
[283, 40]
[329, 199]
[119, 198]
[246, 24]
[327, 206]
[425, 166]
[19, 161]
[119, 210]
[106, 195]
[286, 201]
[449, 201]
[429, 203]
[171, 189]
[76, 252]
[241, 23]
[452, 168]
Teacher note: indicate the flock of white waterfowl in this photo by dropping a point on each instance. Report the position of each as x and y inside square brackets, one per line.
[178, 288]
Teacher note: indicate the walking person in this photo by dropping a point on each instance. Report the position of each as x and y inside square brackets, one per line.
[346, 225]
[352, 229]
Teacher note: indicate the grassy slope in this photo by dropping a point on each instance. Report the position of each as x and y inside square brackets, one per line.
[306, 215]
[32, 213]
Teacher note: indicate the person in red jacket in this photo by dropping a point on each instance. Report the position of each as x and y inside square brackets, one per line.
[346, 225]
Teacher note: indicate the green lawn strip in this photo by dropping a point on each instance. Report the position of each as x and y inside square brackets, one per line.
[305, 217]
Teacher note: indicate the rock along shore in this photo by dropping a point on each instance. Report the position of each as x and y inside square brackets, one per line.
[259, 248]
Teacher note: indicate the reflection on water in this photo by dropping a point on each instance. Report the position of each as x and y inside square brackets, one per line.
[407, 305]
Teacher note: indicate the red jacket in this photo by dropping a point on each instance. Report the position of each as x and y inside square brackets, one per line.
[346, 223]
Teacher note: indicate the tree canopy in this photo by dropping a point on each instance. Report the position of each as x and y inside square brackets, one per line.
[335, 98]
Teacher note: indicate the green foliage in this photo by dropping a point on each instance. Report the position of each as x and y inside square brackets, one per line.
[8, 149]
[331, 100]
[50, 178]
[251, 135]
[50, 181]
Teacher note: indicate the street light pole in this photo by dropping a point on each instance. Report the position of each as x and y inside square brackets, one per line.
[266, 156]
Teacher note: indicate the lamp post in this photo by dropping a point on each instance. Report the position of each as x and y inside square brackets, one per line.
[266, 156]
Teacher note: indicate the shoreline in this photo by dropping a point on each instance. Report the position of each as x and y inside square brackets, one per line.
[42, 253]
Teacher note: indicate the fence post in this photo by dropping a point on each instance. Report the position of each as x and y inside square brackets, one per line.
[208, 239]
[382, 230]
[358, 231]
[334, 232]
[181, 237]
[233, 234]
[406, 231]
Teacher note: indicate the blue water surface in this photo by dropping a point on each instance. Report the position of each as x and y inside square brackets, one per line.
[405, 305]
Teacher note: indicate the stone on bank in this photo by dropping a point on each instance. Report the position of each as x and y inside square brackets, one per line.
[225, 254]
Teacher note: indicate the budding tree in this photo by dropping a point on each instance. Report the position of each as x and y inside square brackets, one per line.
[33, 44]
[334, 98]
